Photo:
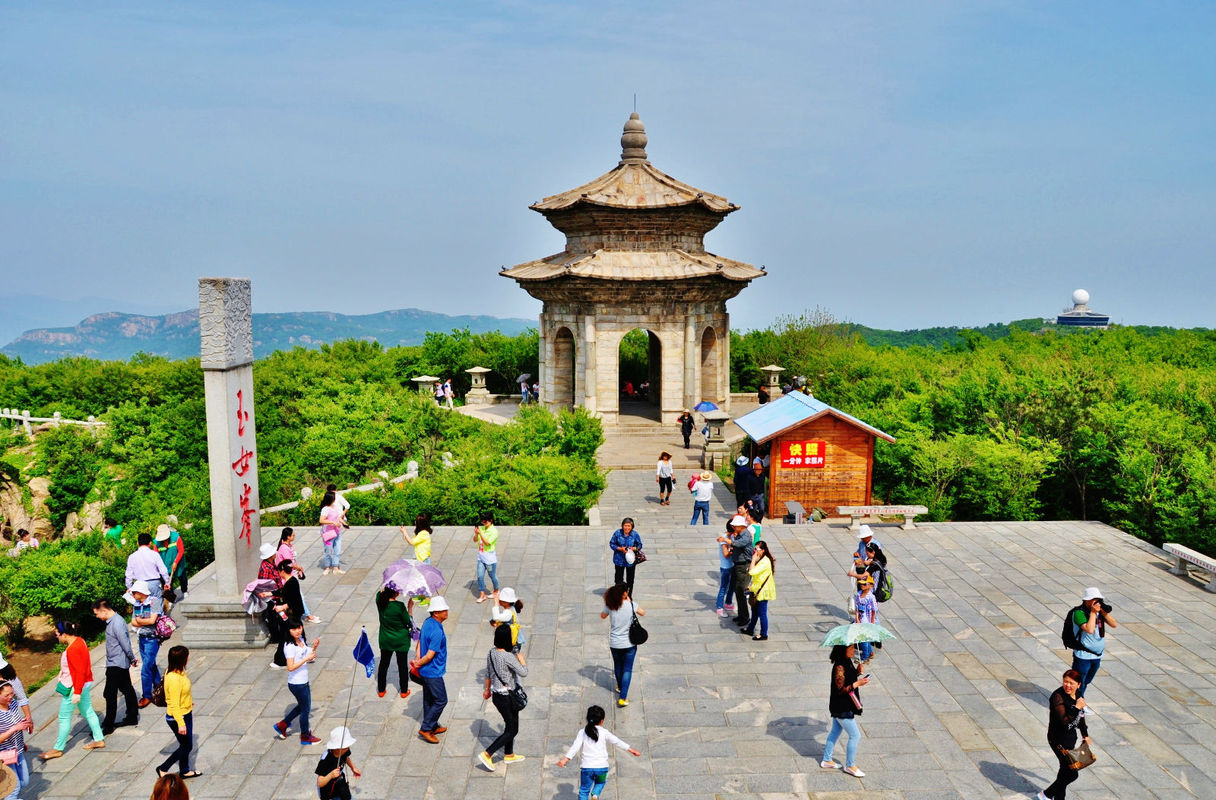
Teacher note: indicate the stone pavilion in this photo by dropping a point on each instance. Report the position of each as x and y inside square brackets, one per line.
[635, 258]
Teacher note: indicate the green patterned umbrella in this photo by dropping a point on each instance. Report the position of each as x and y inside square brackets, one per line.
[855, 633]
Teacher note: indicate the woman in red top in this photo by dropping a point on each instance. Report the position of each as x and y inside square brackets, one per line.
[75, 680]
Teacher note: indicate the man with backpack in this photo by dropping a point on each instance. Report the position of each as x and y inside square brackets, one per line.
[1085, 634]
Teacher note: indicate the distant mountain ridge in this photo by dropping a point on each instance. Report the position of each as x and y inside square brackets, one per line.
[118, 336]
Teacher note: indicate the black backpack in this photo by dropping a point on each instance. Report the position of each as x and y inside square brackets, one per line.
[1069, 634]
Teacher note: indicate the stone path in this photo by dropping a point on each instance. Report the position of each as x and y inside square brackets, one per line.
[957, 707]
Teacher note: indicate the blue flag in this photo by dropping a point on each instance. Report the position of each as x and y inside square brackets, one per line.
[364, 654]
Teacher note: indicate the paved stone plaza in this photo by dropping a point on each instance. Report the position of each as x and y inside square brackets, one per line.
[956, 708]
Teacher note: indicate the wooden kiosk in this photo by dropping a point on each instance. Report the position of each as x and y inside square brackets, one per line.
[820, 456]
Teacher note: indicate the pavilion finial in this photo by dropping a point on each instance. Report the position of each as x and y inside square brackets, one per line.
[633, 141]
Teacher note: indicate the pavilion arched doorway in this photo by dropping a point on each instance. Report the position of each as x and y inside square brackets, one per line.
[639, 374]
[710, 366]
[563, 368]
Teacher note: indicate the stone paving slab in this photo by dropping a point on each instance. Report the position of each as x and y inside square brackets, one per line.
[956, 709]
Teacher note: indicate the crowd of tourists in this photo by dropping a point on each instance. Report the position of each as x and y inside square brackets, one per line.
[411, 630]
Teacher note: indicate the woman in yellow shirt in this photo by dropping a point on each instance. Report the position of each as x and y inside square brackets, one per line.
[421, 540]
[763, 588]
[179, 713]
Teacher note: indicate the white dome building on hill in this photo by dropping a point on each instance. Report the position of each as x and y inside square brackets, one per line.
[1079, 316]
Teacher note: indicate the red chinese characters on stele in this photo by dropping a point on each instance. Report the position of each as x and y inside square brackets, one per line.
[242, 467]
[803, 455]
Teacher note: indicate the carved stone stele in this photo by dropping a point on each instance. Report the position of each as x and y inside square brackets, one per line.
[225, 321]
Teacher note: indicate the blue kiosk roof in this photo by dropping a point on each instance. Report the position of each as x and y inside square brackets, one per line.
[792, 410]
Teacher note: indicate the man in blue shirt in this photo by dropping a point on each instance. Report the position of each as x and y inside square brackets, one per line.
[1090, 621]
[431, 667]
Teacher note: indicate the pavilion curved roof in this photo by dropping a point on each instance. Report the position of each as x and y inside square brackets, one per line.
[633, 265]
[636, 184]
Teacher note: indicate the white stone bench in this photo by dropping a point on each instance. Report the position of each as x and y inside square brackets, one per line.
[1184, 554]
[857, 513]
[795, 508]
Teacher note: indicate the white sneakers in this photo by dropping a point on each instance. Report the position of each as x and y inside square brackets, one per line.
[854, 771]
[828, 765]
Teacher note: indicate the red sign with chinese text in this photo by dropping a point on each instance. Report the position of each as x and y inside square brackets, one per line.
[803, 455]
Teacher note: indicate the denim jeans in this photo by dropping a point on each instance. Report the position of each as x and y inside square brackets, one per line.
[482, 569]
[434, 698]
[849, 726]
[865, 650]
[303, 695]
[185, 743]
[22, 768]
[1088, 667]
[700, 507]
[85, 707]
[330, 557]
[149, 673]
[726, 582]
[760, 615]
[592, 782]
[622, 668]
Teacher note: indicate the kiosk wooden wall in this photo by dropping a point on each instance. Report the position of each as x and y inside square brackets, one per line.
[845, 479]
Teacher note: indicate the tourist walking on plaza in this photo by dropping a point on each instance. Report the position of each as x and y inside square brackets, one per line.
[146, 610]
[742, 548]
[619, 610]
[726, 574]
[686, 425]
[179, 713]
[298, 653]
[625, 545]
[170, 787]
[763, 588]
[75, 681]
[593, 741]
[1090, 621]
[23, 702]
[1065, 716]
[505, 613]
[331, 769]
[844, 705]
[396, 628]
[287, 552]
[421, 540]
[486, 537]
[14, 727]
[119, 660]
[867, 611]
[503, 671]
[333, 518]
[664, 476]
[147, 566]
[702, 490]
[287, 604]
[431, 667]
[172, 551]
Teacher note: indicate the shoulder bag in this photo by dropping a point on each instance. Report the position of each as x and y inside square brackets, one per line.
[637, 634]
[1080, 756]
[164, 627]
[751, 596]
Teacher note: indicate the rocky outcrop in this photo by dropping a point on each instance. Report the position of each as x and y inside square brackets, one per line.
[34, 519]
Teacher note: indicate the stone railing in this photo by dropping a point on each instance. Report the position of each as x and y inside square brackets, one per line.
[411, 472]
[28, 422]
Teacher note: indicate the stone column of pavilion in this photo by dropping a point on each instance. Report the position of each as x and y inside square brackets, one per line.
[216, 618]
[635, 258]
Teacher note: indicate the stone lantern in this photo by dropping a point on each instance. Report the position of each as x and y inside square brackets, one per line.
[772, 379]
[426, 384]
[478, 395]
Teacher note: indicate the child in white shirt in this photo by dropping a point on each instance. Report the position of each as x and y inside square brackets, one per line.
[593, 740]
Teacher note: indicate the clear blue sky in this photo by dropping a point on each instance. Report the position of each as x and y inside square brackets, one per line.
[898, 164]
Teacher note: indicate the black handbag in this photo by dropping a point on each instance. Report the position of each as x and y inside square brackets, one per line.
[751, 596]
[637, 634]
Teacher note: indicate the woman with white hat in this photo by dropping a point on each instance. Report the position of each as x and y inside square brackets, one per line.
[331, 769]
[506, 612]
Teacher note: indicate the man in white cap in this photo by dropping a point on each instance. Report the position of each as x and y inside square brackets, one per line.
[431, 667]
[331, 776]
[1090, 621]
[864, 537]
[171, 549]
[742, 548]
[143, 619]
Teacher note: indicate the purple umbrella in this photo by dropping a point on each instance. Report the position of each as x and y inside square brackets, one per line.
[414, 578]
